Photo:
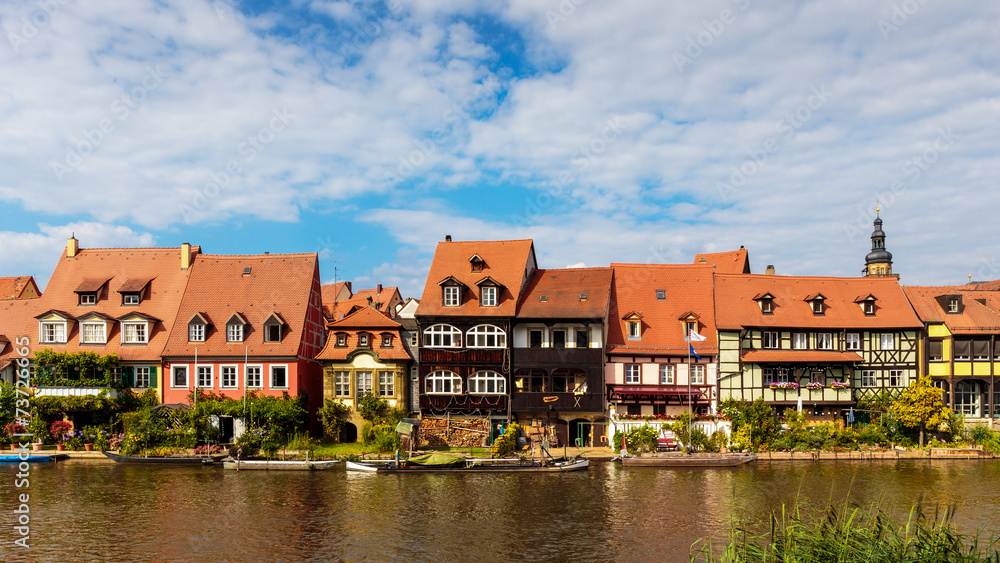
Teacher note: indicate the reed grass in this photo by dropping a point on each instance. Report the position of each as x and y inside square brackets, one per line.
[852, 534]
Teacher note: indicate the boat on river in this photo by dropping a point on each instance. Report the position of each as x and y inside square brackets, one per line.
[15, 458]
[193, 459]
[441, 463]
[277, 465]
[685, 460]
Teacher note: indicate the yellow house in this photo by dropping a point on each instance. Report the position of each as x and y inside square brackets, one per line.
[364, 354]
[961, 346]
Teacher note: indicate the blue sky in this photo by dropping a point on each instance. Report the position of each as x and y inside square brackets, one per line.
[626, 131]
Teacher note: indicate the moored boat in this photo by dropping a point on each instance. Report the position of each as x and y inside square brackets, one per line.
[277, 465]
[695, 460]
[15, 458]
[202, 459]
[452, 464]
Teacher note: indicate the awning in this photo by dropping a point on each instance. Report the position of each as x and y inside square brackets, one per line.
[801, 357]
[660, 390]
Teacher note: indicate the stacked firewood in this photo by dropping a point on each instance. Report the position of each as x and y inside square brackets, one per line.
[455, 433]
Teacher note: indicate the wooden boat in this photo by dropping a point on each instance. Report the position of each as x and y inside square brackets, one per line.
[203, 459]
[276, 465]
[470, 466]
[683, 460]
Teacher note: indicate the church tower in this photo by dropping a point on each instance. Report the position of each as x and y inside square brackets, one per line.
[879, 261]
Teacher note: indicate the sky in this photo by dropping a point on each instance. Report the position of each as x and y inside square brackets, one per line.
[607, 131]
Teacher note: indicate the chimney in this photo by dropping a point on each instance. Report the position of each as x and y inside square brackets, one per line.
[185, 256]
[378, 289]
[447, 238]
[72, 246]
[769, 271]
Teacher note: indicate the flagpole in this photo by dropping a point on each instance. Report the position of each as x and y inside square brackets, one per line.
[246, 358]
[690, 375]
[195, 375]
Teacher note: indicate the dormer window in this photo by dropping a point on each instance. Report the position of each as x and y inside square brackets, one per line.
[135, 333]
[362, 340]
[477, 264]
[869, 307]
[341, 340]
[387, 341]
[488, 296]
[274, 328]
[452, 296]
[766, 303]
[816, 302]
[130, 299]
[54, 333]
[817, 306]
[196, 332]
[633, 325]
[235, 328]
[88, 299]
[954, 305]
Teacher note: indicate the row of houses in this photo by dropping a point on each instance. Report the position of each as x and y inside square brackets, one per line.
[583, 351]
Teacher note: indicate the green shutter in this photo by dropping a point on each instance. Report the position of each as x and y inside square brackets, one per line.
[152, 376]
[128, 376]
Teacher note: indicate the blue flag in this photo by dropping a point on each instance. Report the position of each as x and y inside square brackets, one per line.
[693, 353]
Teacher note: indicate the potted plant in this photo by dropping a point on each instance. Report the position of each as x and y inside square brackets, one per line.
[90, 435]
[74, 439]
[59, 430]
[103, 441]
[9, 431]
[39, 430]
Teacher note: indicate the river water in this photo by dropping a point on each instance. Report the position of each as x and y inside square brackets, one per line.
[97, 511]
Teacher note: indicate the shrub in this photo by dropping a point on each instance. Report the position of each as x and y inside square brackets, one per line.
[333, 416]
[385, 438]
[638, 439]
[506, 443]
[700, 441]
[367, 434]
[372, 408]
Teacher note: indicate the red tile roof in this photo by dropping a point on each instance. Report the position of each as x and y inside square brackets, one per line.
[12, 287]
[735, 307]
[383, 298]
[17, 320]
[339, 309]
[286, 284]
[370, 321]
[332, 291]
[119, 265]
[686, 289]
[800, 356]
[974, 318]
[732, 262]
[562, 290]
[509, 262]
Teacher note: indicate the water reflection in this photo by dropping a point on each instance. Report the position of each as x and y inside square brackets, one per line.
[100, 511]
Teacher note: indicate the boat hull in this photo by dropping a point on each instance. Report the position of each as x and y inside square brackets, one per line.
[191, 460]
[274, 465]
[688, 461]
[390, 468]
[18, 459]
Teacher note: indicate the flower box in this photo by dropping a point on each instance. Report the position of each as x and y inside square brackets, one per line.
[785, 385]
[815, 386]
[840, 385]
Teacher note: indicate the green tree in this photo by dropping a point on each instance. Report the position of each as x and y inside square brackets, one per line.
[372, 408]
[920, 406]
[332, 417]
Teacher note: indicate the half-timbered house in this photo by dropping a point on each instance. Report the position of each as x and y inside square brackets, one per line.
[826, 342]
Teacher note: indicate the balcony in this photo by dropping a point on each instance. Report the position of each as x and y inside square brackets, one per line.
[74, 391]
[463, 403]
[439, 356]
[562, 402]
[558, 357]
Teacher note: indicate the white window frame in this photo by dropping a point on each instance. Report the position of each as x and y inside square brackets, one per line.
[953, 305]
[868, 379]
[770, 340]
[128, 298]
[667, 374]
[364, 381]
[138, 325]
[56, 337]
[136, 378]
[782, 375]
[267, 330]
[868, 307]
[824, 341]
[247, 369]
[436, 336]
[270, 379]
[363, 340]
[697, 374]
[896, 378]
[481, 382]
[452, 296]
[488, 296]
[766, 306]
[236, 376]
[198, 370]
[633, 374]
[852, 341]
[173, 376]
[767, 376]
[480, 336]
[386, 383]
[83, 332]
[817, 306]
[887, 341]
[234, 332]
[634, 330]
[88, 299]
[800, 341]
[342, 383]
[438, 381]
[196, 332]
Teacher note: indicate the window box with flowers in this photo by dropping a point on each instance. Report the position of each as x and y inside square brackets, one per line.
[840, 385]
[814, 385]
[784, 385]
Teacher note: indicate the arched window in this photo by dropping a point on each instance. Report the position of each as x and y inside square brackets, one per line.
[487, 383]
[443, 382]
[487, 336]
[442, 336]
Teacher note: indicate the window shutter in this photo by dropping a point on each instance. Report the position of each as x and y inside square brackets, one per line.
[935, 348]
[152, 376]
[981, 348]
[962, 347]
[128, 376]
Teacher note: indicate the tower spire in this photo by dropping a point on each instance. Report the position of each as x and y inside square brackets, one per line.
[879, 260]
